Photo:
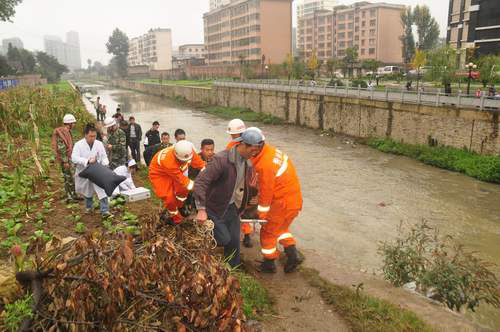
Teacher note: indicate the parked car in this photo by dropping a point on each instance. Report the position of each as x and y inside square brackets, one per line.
[388, 70]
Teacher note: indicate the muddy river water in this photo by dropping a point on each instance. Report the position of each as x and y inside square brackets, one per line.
[354, 196]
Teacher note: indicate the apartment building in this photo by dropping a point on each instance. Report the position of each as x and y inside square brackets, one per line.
[474, 28]
[153, 49]
[15, 42]
[307, 7]
[214, 4]
[373, 28]
[252, 30]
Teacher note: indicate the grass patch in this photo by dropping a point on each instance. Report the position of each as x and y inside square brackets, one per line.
[363, 312]
[201, 83]
[484, 168]
[244, 114]
[61, 86]
[256, 298]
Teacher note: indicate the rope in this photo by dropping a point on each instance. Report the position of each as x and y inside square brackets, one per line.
[207, 230]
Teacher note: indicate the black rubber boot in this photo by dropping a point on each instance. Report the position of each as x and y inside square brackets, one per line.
[293, 260]
[267, 266]
[247, 241]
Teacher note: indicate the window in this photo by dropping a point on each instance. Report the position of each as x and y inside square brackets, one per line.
[341, 27]
[351, 26]
[363, 14]
[363, 24]
[350, 44]
[371, 51]
[351, 16]
[356, 29]
[362, 51]
[362, 42]
[341, 35]
[321, 45]
[372, 32]
[356, 37]
[341, 17]
[349, 35]
[373, 23]
[372, 42]
[322, 29]
[341, 44]
[373, 12]
[363, 33]
[321, 53]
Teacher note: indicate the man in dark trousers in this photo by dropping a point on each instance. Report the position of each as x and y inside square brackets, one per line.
[221, 193]
[134, 134]
[152, 135]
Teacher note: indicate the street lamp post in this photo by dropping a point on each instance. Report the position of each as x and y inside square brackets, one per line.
[470, 66]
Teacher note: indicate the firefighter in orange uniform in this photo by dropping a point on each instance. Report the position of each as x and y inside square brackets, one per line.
[167, 173]
[280, 201]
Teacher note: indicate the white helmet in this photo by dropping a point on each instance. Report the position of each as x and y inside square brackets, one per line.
[109, 122]
[69, 118]
[184, 150]
[259, 130]
[132, 163]
[235, 126]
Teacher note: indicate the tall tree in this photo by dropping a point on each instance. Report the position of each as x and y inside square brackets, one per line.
[489, 65]
[350, 60]
[299, 69]
[427, 28]
[407, 39]
[442, 63]
[5, 69]
[118, 46]
[371, 65]
[313, 64]
[331, 66]
[8, 9]
[49, 67]
[418, 62]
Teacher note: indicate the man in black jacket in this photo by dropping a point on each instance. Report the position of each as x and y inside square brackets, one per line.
[221, 193]
[134, 134]
[152, 135]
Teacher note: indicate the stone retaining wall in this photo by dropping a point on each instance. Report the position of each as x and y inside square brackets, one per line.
[415, 124]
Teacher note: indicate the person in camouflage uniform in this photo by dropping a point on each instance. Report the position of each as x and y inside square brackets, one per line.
[62, 145]
[117, 144]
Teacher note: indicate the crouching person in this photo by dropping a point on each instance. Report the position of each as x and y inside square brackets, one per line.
[89, 151]
[221, 193]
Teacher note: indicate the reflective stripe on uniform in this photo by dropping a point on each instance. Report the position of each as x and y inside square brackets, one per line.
[190, 185]
[261, 208]
[202, 169]
[285, 236]
[175, 212]
[283, 167]
[182, 199]
[162, 153]
[268, 251]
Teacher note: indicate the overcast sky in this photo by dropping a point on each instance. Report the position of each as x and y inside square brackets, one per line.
[96, 19]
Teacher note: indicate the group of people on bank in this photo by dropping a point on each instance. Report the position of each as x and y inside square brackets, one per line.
[250, 178]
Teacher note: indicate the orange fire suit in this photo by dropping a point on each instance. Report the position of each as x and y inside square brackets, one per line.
[280, 199]
[170, 184]
[245, 228]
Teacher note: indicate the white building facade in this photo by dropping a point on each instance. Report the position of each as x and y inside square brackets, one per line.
[307, 7]
[153, 49]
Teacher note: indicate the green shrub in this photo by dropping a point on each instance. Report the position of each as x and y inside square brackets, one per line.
[16, 312]
[440, 267]
[359, 83]
[335, 82]
[484, 168]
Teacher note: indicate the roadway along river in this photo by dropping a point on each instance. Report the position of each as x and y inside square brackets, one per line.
[354, 196]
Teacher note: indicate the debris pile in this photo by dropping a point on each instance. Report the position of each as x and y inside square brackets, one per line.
[167, 278]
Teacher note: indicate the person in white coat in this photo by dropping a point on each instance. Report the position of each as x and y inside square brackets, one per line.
[128, 183]
[88, 151]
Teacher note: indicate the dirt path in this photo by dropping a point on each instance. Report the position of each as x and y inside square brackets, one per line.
[298, 306]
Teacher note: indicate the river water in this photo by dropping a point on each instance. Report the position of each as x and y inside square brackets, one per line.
[354, 196]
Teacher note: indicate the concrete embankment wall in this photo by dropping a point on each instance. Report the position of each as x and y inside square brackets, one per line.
[415, 124]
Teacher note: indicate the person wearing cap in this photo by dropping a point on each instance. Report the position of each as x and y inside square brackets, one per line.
[167, 174]
[280, 201]
[127, 172]
[116, 144]
[62, 145]
[234, 128]
[221, 193]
